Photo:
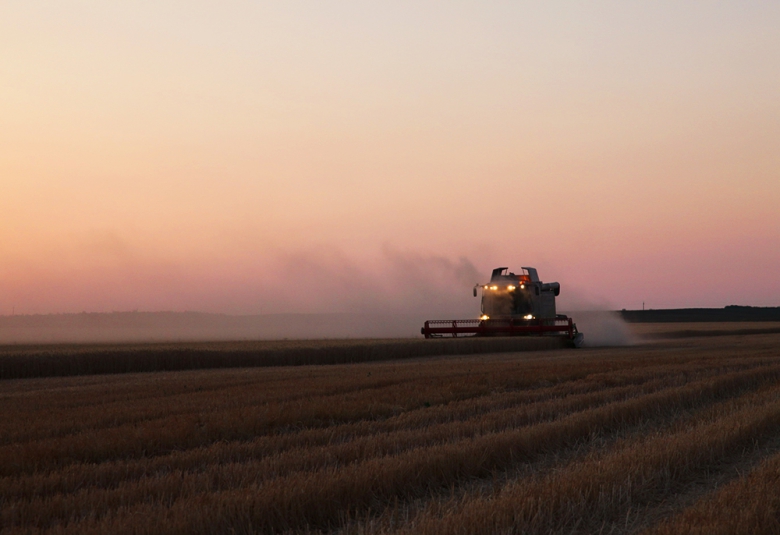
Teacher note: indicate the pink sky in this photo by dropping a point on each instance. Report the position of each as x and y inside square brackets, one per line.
[307, 156]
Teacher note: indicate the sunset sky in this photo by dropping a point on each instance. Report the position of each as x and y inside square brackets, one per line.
[261, 157]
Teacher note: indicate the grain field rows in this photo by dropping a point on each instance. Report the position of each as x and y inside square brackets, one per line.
[540, 442]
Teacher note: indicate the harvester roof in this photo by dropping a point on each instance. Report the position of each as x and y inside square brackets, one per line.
[528, 275]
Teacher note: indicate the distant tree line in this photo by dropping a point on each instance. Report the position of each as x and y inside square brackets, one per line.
[729, 313]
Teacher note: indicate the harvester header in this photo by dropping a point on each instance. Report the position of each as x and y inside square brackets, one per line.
[512, 305]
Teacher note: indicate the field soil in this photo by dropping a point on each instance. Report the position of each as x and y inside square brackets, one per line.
[677, 435]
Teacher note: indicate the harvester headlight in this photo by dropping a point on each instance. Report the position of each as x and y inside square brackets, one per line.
[528, 317]
[510, 288]
[494, 287]
[522, 286]
[484, 317]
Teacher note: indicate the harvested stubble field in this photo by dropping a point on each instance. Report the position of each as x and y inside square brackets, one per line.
[674, 436]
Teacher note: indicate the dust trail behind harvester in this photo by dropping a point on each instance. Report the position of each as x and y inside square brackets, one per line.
[596, 319]
[603, 328]
[313, 296]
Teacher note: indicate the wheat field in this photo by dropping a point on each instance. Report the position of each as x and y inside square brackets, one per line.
[673, 436]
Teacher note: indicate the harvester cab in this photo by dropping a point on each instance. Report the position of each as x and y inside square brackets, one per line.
[521, 296]
[512, 305]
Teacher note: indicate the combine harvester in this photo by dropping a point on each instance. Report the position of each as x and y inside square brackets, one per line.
[512, 305]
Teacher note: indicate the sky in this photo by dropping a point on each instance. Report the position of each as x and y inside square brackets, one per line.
[275, 157]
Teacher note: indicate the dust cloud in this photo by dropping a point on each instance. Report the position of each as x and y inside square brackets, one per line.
[398, 282]
[313, 294]
[603, 328]
[595, 318]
